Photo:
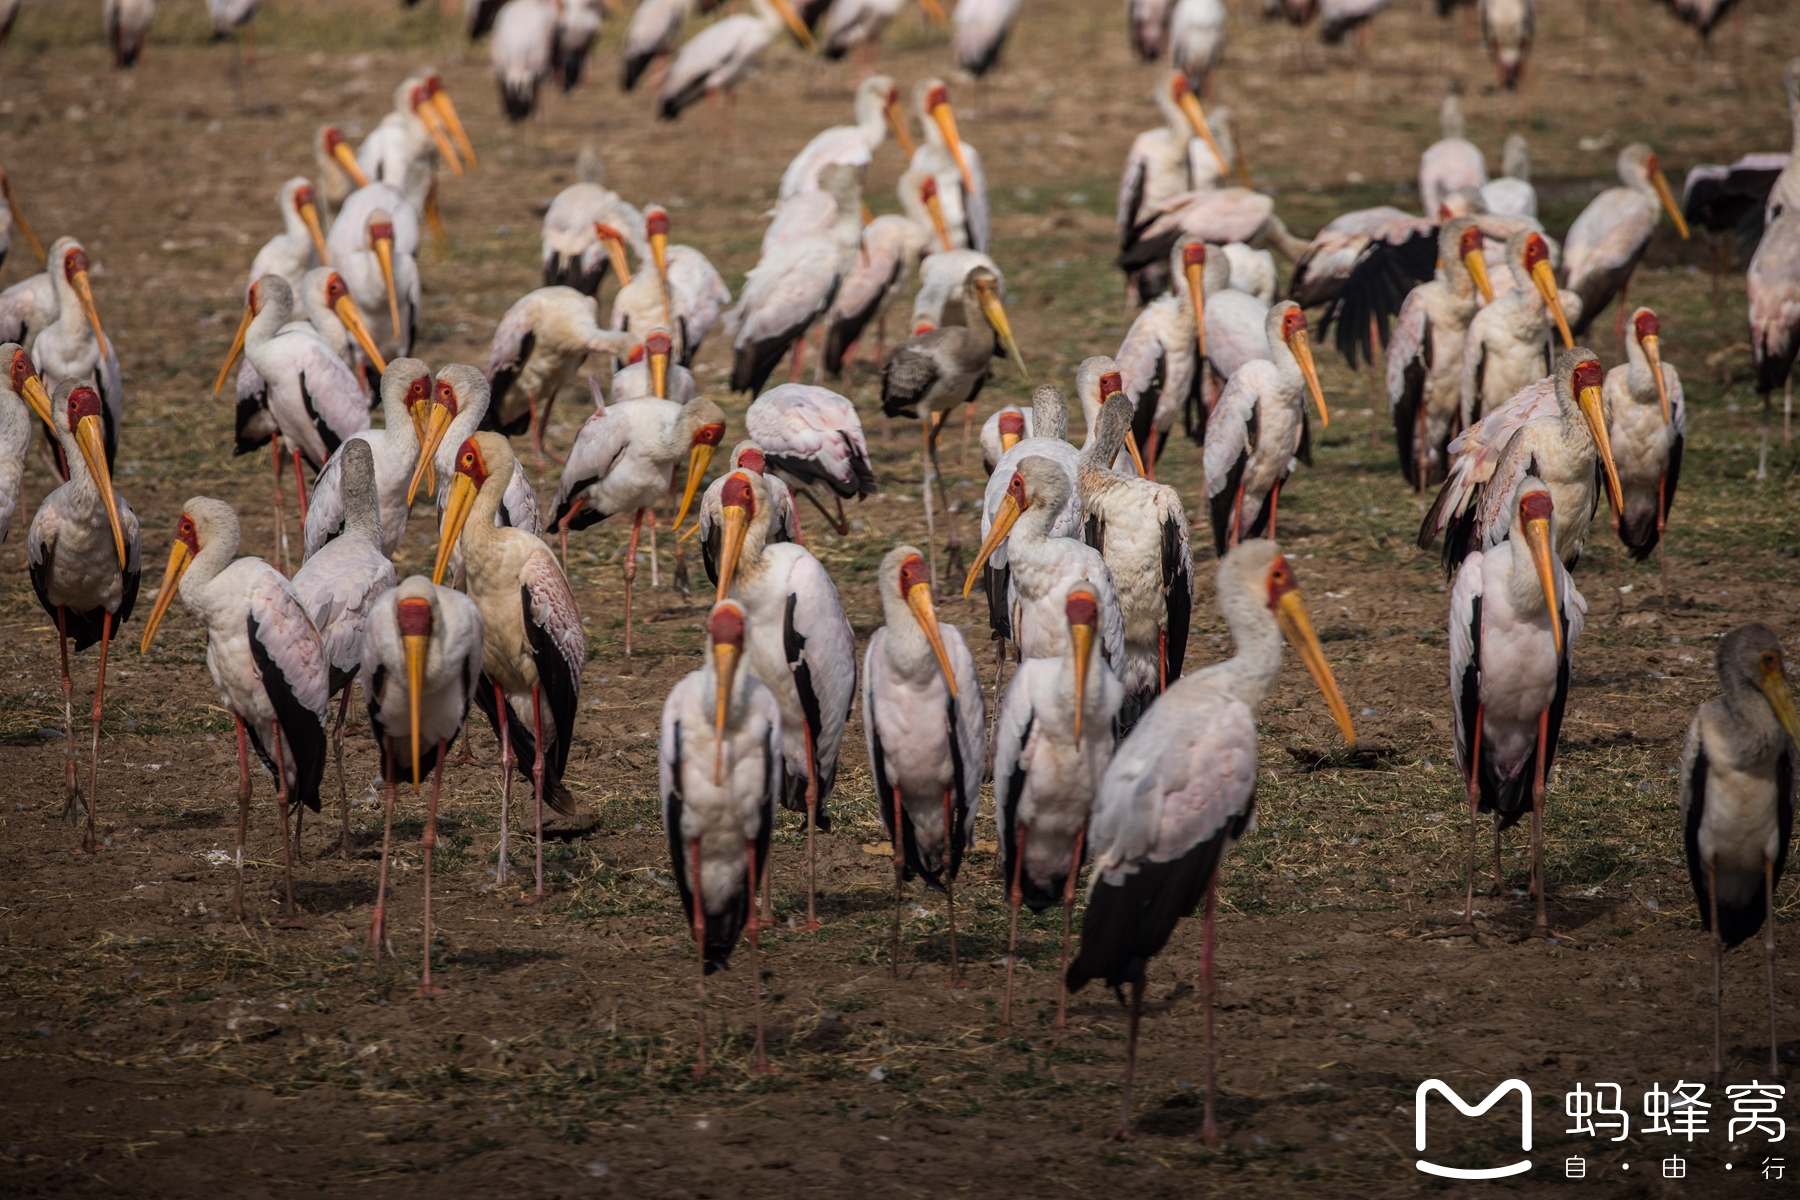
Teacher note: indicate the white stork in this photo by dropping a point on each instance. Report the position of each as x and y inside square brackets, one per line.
[576, 251]
[1141, 531]
[1215, 215]
[1507, 27]
[1156, 168]
[979, 32]
[719, 57]
[339, 582]
[1182, 788]
[685, 294]
[1424, 355]
[926, 730]
[878, 112]
[83, 551]
[1259, 429]
[1004, 429]
[265, 657]
[422, 661]
[406, 411]
[623, 460]
[1511, 193]
[1773, 287]
[1320, 272]
[72, 346]
[648, 376]
[1197, 40]
[811, 437]
[1611, 234]
[1737, 806]
[1514, 618]
[300, 247]
[652, 34]
[127, 28]
[1508, 345]
[783, 523]
[859, 24]
[404, 149]
[1233, 323]
[1647, 426]
[800, 646]
[537, 348]
[720, 771]
[374, 245]
[1451, 164]
[522, 52]
[533, 649]
[891, 247]
[1148, 24]
[1052, 741]
[1554, 430]
[1159, 360]
[577, 27]
[961, 185]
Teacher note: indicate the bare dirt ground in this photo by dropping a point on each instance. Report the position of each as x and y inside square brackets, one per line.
[153, 1046]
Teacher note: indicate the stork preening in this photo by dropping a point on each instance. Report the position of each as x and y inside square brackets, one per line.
[720, 771]
[422, 663]
[1648, 430]
[926, 729]
[1514, 618]
[1182, 789]
[1737, 806]
[1508, 346]
[979, 29]
[406, 388]
[265, 657]
[800, 646]
[533, 647]
[83, 553]
[811, 437]
[1608, 239]
[537, 348]
[1055, 735]
[685, 295]
[715, 60]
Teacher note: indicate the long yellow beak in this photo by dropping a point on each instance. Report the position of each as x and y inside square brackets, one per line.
[935, 209]
[615, 253]
[1301, 345]
[1660, 182]
[1595, 415]
[659, 378]
[434, 125]
[1196, 275]
[1243, 164]
[795, 25]
[435, 427]
[91, 437]
[1008, 441]
[1775, 686]
[179, 561]
[384, 251]
[309, 213]
[735, 522]
[1296, 624]
[1545, 279]
[237, 348]
[416, 644]
[1004, 520]
[946, 122]
[1081, 636]
[18, 216]
[935, 12]
[346, 159]
[1137, 455]
[440, 100]
[1537, 539]
[1476, 261]
[699, 458]
[39, 400]
[1653, 351]
[919, 600]
[725, 664]
[896, 115]
[352, 318]
[1190, 105]
[85, 293]
[995, 312]
[456, 514]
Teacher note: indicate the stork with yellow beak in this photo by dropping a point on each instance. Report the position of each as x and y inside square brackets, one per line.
[73, 348]
[1513, 340]
[374, 245]
[422, 656]
[720, 771]
[1647, 412]
[1554, 430]
[1609, 238]
[300, 247]
[1259, 429]
[1052, 742]
[676, 289]
[954, 164]
[339, 172]
[538, 346]
[1156, 165]
[83, 552]
[405, 148]
[1514, 618]
[624, 459]
[722, 55]
[926, 729]
[533, 647]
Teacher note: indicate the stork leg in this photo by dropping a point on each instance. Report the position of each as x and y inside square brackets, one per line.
[699, 923]
[1061, 1024]
[1421, 450]
[952, 544]
[797, 357]
[637, 526]
[1662, 520]
[237, 891]
[71, 787]
[1209, 1129]
[1787, 411]
[428, 843]
[650, 519]
[537, 428]
[1718, 953]
[537, 784]
[1541, 927]
[950, 833]
[378, 932]
[337, 750]
[1150, 453]
[843, 522]
[962, 464]
[1162, 660]
[1762, 453]
[89, 841]
[899, 882]
[562, 532]
[1499, 881]
[1015, 895]
[1769, 956]
[1237, 517]
[812, 815]
[299, 490]
[1124, 1133]
[290, 915]
[837, 523]
[924, 494]
[761, 1066]
[506, 774]
[281, 559]
[435, 220]
[1274, 503]
[768, 905]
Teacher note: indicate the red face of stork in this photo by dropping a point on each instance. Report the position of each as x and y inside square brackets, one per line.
[1082, 611]
[737, 509]
[914, 584]
[1189, 104]
[381, 241]
[656, 228]
[337, 299]
[307, 209]
[181, 556]
[471, 475]
[1012, 429]
[1294, 334]
[751, 459]
[1193, 269]
[701, 448]
[87, 421]
[1012, 507]
[446, 111]
[1659, 183]
[1543, 277]
[425, 108]
[26, 383]
[614, 243]
[437, 415]
[1585, 382]
[934, 208]
[1285, 602]
[896, 119]
[1112, 384]
[937, 108]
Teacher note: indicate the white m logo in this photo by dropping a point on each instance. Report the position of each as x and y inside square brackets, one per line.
[1476, 1110]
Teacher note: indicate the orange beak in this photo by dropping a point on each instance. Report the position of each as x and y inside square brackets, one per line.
[945, 119]
[237, 346]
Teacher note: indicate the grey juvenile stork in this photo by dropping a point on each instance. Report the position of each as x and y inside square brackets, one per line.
[1647, 425]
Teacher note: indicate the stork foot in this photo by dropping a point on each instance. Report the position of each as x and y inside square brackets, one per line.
[430, 991]
[1466, 929]
[1541, 929]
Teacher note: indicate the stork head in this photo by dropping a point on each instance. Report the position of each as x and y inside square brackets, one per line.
[613, 242]
[934, 208]
[984, 286]
[337, 299]
[1012, 506]
[478, 460]
[306, 207]
[1585, 380]
[75, 272]
[23, 374]
[737, 508]
[657, 348]
[1646, 330]
[705, 423]
[1293, 333]
[337, 150]
[1282, 596]
[1543, 278]
[904, 571]
[1012, 429]
[189, 536]
[749, 457]
[1532, 527]
[86, 416]
[381, 241]
[1749, 662]
[1469, 253]
[656, 229]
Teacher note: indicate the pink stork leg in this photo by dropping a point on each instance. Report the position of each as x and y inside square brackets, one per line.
[699, 924]
[428, 843]
[282, 796]
[89, 842]
[950, 834]
[337, 750]
[899, 881]
[243, 741]
[281, 560]
[1209, 1129]
[761, 1065]
[1274, 503]
[537, 784]
[378, 933]
[506, 773]
[1062, 976]
[637, 527]
[1015, 895]
[812, 818]
[71, 786]
[299, 488]
[1124, 1133]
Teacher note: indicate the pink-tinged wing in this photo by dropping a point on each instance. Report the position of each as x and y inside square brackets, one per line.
[508, 351]
[1227, 215]
[787, 290]
[817, 424]
[518, 504]
[1407, 344]
[1141, 354]
[1132, 184]
[289, 638]
[324, 383]
[338, 588]
[602, 440]
[553, 609]
[839, 144]
[1609, 233]
[1237, 331]
[875, 271]
[1228, 428]
[1773, 283]
[799, 215]
[698, 292]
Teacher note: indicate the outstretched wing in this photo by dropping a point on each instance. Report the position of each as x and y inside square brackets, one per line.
[1385, 274]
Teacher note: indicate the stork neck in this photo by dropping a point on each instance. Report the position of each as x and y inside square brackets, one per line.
[1050, 416]
[480, 528]
[1524, 591]
[977, 322]
[1250, 674]
[1640, 381]
[905, 646]
[217, 554]
[276, 312]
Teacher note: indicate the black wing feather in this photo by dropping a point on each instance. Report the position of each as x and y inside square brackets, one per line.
[304, 729]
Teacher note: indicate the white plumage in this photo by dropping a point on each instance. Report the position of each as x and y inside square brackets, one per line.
[405, 402]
